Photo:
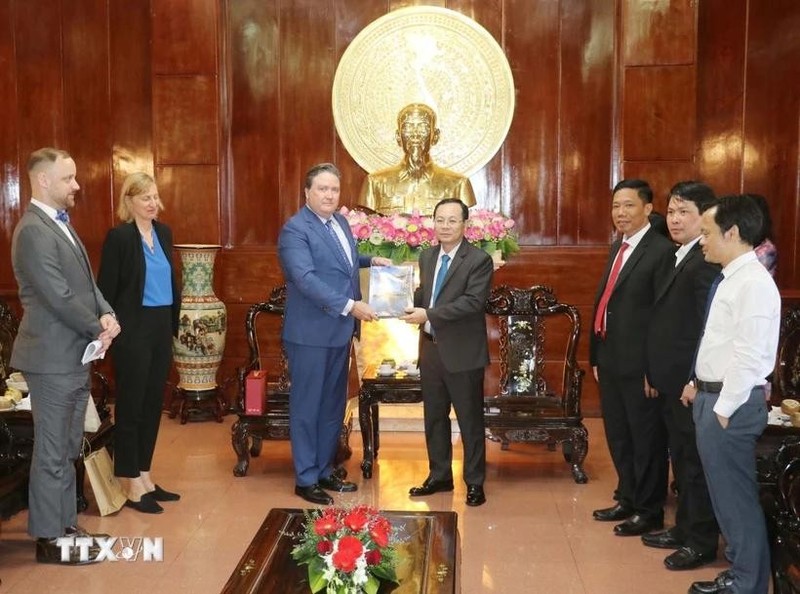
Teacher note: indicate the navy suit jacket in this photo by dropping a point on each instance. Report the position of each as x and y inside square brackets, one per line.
[318, 281]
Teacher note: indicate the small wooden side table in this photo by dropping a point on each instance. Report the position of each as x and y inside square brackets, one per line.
[398, 388]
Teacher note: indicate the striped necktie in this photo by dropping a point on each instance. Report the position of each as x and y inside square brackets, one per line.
[339, 246]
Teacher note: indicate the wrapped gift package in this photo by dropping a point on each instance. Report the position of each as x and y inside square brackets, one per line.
[255, 392]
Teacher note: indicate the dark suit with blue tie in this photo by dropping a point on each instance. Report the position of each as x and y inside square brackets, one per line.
[316, 336]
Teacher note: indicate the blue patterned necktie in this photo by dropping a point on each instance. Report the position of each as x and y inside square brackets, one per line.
[63, 216]
[342, 253]
[437, 285]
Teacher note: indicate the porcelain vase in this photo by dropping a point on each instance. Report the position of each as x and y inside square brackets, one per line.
[203, 320]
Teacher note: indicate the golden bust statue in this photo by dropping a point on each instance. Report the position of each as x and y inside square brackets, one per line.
[416, 182]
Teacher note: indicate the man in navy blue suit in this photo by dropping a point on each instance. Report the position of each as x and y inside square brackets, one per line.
[323, 310]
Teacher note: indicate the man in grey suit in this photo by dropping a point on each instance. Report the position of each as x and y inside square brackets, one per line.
[456, 278]
[63, 312]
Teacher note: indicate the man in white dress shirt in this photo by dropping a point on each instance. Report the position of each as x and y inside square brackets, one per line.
[735, 355]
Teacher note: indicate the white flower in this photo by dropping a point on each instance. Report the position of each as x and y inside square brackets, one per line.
[360, 576]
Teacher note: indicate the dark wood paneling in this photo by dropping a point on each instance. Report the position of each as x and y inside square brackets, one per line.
[307, 67]
[658, 113]
[37, 28]
[11, 170]
[185, 119]
[87, 116]
[661, 175]
[587, 70]
[191, 201]
[184, 36]
[720, 69]
[658, 32]
[772, 120]
[531, 43]
[130, 89]
[254, 108]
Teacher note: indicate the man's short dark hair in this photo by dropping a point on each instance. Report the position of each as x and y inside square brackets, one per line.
[320, 168]
[766, 228]
[464, 209]
[642, 189]
[694, 191]
[46, 154]
[740, 210]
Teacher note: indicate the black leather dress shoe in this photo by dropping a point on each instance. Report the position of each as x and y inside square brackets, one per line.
[688, 558]
[431, 486]
[722, 585]
[475, 495]
[663, 539]
[49, 551]
[314, 494]
[146, 505]
[333, 483]
[612, 514]
[160, 494]
[78, 530]
[638, 524]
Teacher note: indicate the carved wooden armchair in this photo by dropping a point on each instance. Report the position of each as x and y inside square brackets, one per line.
[540, 381]
[786, 378]
[249, 431]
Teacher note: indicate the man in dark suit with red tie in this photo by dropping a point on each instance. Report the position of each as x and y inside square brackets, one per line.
[674, 332]
[623, 308]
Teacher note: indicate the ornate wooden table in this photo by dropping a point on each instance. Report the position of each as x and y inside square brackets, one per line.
[398, 388]
[429, 556]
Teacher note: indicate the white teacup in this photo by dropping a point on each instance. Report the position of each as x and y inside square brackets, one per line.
[412, 371]
[385, 369]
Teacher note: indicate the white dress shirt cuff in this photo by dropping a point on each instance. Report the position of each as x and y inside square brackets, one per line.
[348, 307]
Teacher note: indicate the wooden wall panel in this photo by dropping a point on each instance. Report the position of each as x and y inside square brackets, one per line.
[191, 201]
[661, 175]
[184, 36]
[254, 189]
[586, 100]
[306, 129]
[87, 117]
[531, 44]
[659, 33]
[130, 81]
[771, 134]
[658, 113]
[720, 69]
[186, 118]
[12, 169]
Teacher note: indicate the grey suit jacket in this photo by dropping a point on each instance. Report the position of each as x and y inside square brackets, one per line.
[459, 315]
[62, 304]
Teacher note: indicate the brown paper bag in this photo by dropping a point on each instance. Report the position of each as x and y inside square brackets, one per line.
[107, 490]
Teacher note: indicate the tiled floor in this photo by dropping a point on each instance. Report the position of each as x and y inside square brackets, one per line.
[534, 536]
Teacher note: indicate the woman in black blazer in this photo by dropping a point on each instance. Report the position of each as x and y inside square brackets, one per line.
[138, 279]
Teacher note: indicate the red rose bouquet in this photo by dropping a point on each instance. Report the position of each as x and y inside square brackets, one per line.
[347, 551]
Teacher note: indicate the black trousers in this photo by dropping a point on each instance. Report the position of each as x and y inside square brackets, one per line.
[695, 523]
[464, 391]
[637, 441]
[141, 363]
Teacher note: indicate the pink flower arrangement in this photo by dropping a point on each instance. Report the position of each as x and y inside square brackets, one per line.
[401, 237]
[347, 551]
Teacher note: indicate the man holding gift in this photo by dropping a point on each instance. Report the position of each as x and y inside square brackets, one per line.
[323, 310]
[456, 278]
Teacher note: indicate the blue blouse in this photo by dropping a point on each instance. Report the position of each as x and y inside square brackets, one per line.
[157, 276]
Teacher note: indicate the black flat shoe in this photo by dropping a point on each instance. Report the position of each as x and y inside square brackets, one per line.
[612, 514]
[722, 585]
[160, 494]
[49, 551]
[688, 558]
[313, 494]
[431, 486]
[475, 495]
[334, 483]
[146, 505]
[637, 525]
[664, 539]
